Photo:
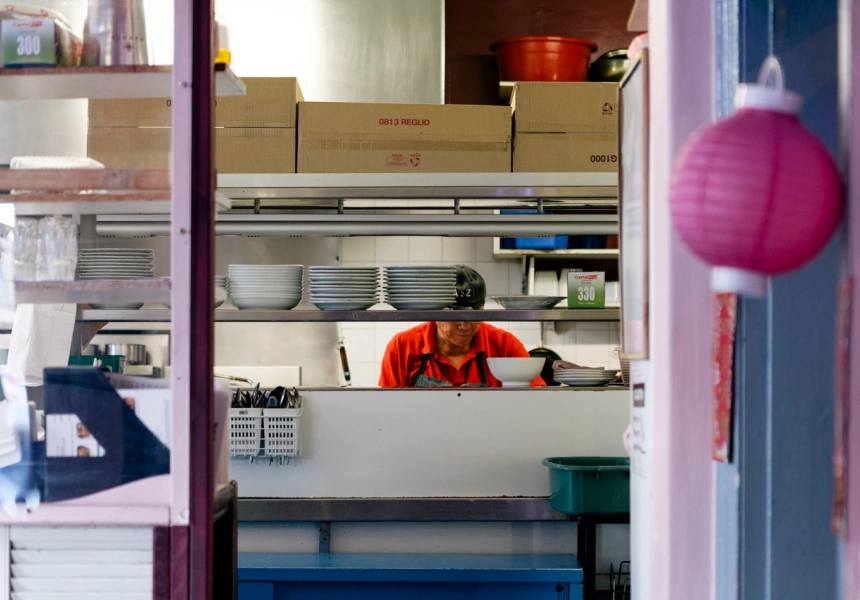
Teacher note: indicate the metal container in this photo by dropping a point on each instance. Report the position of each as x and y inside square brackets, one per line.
[92, 350]
[135, 354]
[115, 33]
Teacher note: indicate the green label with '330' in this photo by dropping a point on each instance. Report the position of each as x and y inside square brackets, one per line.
[586, 290]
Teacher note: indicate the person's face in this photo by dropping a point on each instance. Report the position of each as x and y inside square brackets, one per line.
[458, 333]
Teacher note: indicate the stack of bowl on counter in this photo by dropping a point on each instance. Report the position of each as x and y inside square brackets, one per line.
[419, 287]
[265, 287]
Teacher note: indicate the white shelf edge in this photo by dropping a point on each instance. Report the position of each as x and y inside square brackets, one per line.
[82, 514]
[638, 20]
[65, 83]
[97, 291]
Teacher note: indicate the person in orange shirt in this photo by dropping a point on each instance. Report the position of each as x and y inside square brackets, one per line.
[451, 353]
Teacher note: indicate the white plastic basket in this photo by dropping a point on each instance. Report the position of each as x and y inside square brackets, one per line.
[283, 429]
[246, 426]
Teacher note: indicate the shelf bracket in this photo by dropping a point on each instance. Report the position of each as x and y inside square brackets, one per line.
[256, 206]
[325, 537]
[540, 206]
[456, 206]
[340, 206]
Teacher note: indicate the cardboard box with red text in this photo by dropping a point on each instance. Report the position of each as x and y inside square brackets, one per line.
[339, 137]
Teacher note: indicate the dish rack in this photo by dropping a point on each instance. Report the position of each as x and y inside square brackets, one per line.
[619, 583]
[274, 433]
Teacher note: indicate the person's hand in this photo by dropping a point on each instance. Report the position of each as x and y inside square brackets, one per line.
[563, 364]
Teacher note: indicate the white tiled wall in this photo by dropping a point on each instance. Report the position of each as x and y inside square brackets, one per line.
[585, 343]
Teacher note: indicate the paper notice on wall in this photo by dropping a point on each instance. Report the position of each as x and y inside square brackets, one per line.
[723, 357]
[152, 407]
[66, 436]
[839, 514]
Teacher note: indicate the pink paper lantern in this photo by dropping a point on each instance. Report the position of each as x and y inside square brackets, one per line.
[756, 194]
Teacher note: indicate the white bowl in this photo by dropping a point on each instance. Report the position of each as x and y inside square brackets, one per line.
[516, 371]
[265, 303]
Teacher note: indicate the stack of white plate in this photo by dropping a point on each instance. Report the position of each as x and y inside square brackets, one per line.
[585, 377]
[265, 287]
[420, 288]
[116, 263]
[344, 288]
[220, 290]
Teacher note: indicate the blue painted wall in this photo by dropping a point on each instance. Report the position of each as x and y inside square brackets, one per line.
[775, 526]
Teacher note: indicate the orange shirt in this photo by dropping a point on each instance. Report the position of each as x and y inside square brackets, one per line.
[403, 356]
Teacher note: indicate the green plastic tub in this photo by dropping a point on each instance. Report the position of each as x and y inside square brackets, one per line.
[583, 485]
[116, 363]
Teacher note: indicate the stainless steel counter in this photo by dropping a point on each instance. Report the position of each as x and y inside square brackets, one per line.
[397, 509]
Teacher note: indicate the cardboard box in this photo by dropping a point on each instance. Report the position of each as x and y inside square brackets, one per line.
[586, 290]
[269, 102]
[565, 152]
[237, 150]
[549, 107]
[565, 127]
[336, 137]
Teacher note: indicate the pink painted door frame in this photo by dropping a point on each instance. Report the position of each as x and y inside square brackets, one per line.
[674, 540]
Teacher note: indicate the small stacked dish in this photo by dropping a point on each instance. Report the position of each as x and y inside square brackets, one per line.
[116, 263]
[420, 288]
[528, 302]
[220, 290]
[585, 377]
[344, 288]
[265, 287]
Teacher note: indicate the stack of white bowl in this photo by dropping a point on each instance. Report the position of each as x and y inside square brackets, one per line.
[419, 287]
[265, 287]
[344, 288]
[585, 377]
[116, 263]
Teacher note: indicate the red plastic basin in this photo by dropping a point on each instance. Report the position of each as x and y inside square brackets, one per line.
[543, 58]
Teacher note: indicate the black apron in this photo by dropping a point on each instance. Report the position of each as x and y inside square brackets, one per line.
[423, 381]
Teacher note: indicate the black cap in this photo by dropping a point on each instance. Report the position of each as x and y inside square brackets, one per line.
[471, 289]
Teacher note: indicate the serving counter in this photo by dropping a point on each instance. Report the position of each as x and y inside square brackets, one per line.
[453, 443]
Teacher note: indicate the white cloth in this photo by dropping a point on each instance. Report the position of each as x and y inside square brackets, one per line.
[41, 337]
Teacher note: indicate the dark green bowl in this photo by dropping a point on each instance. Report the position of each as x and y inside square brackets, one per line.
[610, 67]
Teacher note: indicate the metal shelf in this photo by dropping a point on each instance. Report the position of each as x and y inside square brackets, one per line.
[297, 186]
[56, 83]
[596, 254]
[397, 509]
[94, 204]
[486, 225]
[90, 191]
[305, 316]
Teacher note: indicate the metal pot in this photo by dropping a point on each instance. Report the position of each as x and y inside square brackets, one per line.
[135, 354]
[115, 33]
[609, 67]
